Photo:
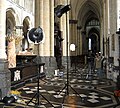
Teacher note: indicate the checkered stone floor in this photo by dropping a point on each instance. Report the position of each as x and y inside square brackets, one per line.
[88, 96]
[81, 92]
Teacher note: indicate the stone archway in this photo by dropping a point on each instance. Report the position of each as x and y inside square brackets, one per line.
[26, 25]
[86, 12]
[10, 21]
[10, 38]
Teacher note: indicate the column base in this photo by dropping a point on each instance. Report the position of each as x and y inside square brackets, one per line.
[50, 65]
[5, 78]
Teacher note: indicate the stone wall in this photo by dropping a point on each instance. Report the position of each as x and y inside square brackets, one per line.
[5, 78]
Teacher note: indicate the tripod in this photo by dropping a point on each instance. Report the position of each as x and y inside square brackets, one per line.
[38, 94]
[67, 85]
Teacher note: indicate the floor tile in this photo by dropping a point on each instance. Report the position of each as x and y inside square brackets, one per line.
[80, 92]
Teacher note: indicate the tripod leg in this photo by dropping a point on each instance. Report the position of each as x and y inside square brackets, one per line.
[62, 89]
[46, 100]
[44, 81]
[64, 97]
[116, 105]
[32, 99]
[74, 90]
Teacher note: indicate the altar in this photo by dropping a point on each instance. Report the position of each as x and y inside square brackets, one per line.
[25, 69]
[21, 63]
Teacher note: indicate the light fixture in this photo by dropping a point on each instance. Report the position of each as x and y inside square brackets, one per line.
[118, 32]
[36, 35]
[61, 9]
[72, 47]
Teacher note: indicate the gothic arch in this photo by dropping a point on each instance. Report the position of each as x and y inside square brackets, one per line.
[87, 11]
[26, 25]
[94, 35]
[11, 19]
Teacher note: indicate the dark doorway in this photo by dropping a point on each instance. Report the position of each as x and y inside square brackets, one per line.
[94, 40]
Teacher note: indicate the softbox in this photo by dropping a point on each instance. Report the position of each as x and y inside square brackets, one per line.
[35, 35]
[61, 9]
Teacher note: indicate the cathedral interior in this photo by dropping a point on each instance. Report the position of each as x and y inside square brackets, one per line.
[59, 53]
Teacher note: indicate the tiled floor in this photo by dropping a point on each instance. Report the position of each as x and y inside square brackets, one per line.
[79, 91]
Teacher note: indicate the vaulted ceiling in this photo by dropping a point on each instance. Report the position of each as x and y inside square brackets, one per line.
[83, 10]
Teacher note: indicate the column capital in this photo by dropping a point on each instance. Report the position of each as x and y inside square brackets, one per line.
[73, 21]
[79, 27]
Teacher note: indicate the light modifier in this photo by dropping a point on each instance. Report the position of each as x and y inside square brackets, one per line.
[61, 9]
[35, 35]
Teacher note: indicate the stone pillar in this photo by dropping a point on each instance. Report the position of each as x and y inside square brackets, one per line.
[79, 40]
[52, 28]
[5, 75]
[48, 25]
[46, 17]
[74, 36]
[39, 22]
[2, 29]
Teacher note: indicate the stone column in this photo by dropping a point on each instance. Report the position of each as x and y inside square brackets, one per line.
[52, 28]
[74, 35]
[2, 29]
[46, 25]
[5, 75]
[44, 17]
[74, 38]
[79, 41]
[39, 22]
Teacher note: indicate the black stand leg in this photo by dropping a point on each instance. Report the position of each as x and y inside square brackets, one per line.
[37, 95]
[116, 105]
[66, 88]
[64, 98]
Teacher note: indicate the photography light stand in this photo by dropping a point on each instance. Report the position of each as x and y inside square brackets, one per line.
[36, 39]
[67, 85]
